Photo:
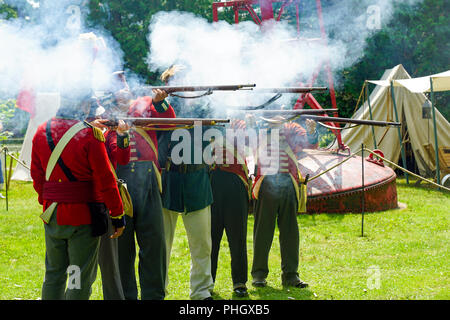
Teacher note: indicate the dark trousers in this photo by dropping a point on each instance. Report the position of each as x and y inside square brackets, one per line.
[276, 204]
[229, 212]
[147, 225]
[108, 261]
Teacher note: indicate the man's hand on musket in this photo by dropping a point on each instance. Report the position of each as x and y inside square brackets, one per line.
[121, 129]
[99, 123]
[159, 95]
[310, 126]
[117, 233]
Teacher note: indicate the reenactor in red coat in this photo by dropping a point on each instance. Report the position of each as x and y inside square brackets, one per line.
[118, 149]
[143, 178]
[77, 196]
[229, 211]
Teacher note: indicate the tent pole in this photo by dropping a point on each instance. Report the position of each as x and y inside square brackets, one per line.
[363, 200]
[436, 147]
[371, 117]
[399, 132]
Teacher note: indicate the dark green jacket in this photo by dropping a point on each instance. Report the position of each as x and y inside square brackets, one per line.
[183, 191]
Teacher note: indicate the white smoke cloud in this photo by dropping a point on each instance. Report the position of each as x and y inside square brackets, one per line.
[353, 21]
[47, 54]
[221, 53]
[43, 53]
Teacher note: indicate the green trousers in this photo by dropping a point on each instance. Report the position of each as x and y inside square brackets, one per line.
[148, 228]
[277, 204]
[70, 251]
[229, 213]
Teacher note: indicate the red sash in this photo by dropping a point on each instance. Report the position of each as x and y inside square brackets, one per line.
[70, 192]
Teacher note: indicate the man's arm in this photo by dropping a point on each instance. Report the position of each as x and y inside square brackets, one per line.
[118, 144]
[123, 148]
[162, 107]
[106, 183]
[103, 177]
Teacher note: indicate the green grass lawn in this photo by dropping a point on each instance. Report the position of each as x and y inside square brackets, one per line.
[407, 250]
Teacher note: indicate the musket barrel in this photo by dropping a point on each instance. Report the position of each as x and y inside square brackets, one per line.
[291, 112]
[291, 89]
[170, 89]
[353, 121]
[145, 122]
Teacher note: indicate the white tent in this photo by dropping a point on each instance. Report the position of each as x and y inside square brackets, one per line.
[416, 130]
[46, 106]
[441, 82]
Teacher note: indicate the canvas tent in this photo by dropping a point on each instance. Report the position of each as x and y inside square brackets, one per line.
[46, 105]
[417, 131]
[441, 82]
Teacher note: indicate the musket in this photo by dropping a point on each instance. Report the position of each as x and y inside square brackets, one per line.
[341, 120]
[208, 89]
[148, 122]
[353, 121]
[291, 89]
[290, 112]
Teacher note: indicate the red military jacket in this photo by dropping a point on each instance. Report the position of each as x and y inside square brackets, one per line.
[143, 107]
[118, 148]
[142, 149]
[296, 140]
[230, 150]
[87, 159]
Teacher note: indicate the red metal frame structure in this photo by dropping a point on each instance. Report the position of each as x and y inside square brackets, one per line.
[267, 13]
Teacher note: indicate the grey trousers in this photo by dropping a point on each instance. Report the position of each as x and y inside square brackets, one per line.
[276, 205]
[70, 251]
[108, 261]
[198, 230]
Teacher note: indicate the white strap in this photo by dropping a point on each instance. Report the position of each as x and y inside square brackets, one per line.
[60, 147]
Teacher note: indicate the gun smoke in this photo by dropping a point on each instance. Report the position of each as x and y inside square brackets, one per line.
[272, 56]
[44, 51]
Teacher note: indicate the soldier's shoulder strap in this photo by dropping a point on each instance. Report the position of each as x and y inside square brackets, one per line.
[56, 153]
[147, 138]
